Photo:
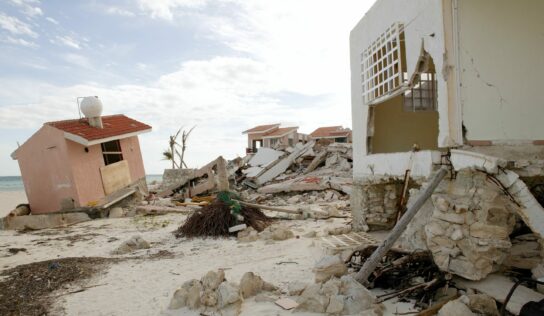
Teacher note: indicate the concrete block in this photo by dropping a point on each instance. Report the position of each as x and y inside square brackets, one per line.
[44, 221]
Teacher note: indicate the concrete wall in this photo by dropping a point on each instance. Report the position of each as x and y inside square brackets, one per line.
[501, 45]
[284, 140]
[132, 153]
[43, 160]
[85, 168]
[424, 29]
[396, 130]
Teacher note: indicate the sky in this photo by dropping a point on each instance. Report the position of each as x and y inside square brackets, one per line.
[221, 65]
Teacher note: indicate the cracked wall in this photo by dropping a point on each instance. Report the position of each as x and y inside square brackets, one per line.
[500, 47]
[423, 28]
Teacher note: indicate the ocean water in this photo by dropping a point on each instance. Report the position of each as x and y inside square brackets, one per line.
[15, 183]
[11, 183]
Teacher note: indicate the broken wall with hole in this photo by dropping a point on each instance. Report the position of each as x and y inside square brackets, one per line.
[500, 52]
[396, 130]
[423, 26]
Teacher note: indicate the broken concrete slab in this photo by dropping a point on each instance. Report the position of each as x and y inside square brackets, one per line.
[308, 183]
[498, 286]
[265, 156]
[34, 222]
[280, 166]
[462, 159]
[317, 161]
[213, 176]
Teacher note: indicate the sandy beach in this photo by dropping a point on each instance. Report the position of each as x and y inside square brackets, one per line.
[9, 200]
[143, 284]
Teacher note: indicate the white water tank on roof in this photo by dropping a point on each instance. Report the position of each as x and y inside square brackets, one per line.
[91, 106]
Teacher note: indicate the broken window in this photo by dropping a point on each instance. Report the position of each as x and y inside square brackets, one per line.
[112, 152]
[422, 95]
[382, 64]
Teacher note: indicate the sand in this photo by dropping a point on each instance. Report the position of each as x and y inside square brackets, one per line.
[145, 286]
[9, 200]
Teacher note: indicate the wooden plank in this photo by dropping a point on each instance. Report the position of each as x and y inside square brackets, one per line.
[498, 286]
[115, 176]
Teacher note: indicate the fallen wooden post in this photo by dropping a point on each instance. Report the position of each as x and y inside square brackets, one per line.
[271, 208]
[372, 262]
[156, 209]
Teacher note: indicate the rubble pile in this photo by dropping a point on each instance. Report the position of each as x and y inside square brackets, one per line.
[221, 218]
[474, 304]
[213, 294]
[334, 292]
[411, 275]
[302, 168]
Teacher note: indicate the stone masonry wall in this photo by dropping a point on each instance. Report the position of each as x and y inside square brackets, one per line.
[468, 232]
[379, 198]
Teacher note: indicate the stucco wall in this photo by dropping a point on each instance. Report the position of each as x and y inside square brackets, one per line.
[86, 171]
[501, 45]
[396, 130]
[43, 160]
[86, 167]
[423, 27]
[132, 153]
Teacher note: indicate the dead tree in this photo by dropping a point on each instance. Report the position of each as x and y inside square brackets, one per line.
[172, 152]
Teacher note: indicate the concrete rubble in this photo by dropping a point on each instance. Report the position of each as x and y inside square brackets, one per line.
[479, 222]
[214, 295]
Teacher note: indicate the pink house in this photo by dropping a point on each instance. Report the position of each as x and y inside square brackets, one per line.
[255, 136]
[80, 162]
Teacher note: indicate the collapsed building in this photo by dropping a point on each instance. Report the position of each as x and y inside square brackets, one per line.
[441, 83]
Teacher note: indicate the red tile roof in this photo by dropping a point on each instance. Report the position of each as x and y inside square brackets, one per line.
[331, 131]
[280, 132]
[261, 128]
[325, 131]
[114, 125]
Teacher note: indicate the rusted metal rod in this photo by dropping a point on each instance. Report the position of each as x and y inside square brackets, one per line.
[372, 262]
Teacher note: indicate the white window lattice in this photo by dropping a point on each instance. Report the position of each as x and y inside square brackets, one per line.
[423, 94]
[381, 64]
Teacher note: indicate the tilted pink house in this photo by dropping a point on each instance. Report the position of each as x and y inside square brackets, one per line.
[75, 163]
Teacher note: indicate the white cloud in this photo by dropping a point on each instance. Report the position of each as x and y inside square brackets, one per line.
[119, 11]
[222, 96]
[29, 7]
[77, 60]
[67, 41]
[165, 9]
[16, 26]
[50, 19]
[295, 48]
[19, 41]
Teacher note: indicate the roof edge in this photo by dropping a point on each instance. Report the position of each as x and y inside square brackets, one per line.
[80, 140]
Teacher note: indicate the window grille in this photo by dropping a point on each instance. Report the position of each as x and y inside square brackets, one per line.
[423, 94]
[112, 152]
[381, 66]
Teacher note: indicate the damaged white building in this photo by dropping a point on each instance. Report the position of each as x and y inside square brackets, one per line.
[451, 82]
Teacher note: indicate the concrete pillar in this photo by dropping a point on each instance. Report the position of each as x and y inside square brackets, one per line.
[358, 223]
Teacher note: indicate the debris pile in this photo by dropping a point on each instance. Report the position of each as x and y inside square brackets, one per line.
[223, 217]
[214, 294]
[411, 275]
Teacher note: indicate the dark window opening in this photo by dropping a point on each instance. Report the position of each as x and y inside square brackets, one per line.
[112, 152]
